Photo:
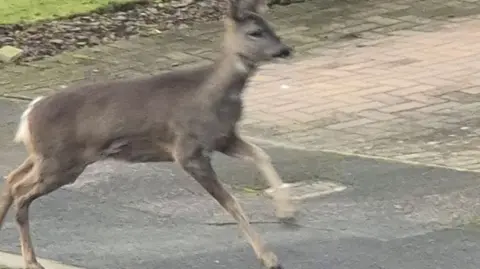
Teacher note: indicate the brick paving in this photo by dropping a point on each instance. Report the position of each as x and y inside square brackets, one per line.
[412, 96]
[396, 79]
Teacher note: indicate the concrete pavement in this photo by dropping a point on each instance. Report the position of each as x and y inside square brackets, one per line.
[391, 215]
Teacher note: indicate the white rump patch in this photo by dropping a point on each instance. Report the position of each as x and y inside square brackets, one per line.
[23, 132]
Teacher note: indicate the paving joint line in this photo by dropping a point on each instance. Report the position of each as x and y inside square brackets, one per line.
[318, 148]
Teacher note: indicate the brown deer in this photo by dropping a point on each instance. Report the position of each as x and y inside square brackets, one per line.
[182, 116]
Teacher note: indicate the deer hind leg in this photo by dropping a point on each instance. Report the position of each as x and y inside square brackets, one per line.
[199, 167]
[6, 198]
[242, 149]
[42, 179]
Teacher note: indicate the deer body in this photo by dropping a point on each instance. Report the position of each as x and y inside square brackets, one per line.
[139, 120]
[180, 116]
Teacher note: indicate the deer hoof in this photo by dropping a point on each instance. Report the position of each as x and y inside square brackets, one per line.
[269, 260]
[34, 265]
[286, 214]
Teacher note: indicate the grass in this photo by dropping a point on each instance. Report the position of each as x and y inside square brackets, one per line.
[15, 11]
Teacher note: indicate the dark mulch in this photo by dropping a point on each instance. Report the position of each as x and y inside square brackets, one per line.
[107, 24]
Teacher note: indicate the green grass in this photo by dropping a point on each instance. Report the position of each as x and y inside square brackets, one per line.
[14, 11]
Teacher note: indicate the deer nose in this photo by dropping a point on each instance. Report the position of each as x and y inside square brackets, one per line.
[284, 52]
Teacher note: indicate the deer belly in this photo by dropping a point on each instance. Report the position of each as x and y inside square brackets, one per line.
[137, 151]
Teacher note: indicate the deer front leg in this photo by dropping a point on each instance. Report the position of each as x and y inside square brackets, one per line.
[198, 165]
[242, 149]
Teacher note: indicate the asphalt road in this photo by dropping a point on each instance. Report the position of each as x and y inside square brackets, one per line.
[391, 215]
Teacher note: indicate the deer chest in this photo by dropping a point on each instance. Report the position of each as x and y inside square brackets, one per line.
[230, 111]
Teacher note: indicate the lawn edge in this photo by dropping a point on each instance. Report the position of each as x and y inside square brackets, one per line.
[110, 8]
[15, 261]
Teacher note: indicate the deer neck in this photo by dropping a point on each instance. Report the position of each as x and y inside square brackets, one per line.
[228, 78]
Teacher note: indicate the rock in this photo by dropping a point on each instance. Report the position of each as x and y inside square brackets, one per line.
[152, 10]
[130, 30]
[57, 42]
[86, 18]
[121, 18]
[32, 30]
[183, 3]
[36, 37]
[183, 26]
[81, 38]
[9, 54]
[69, 36]
[93, 40]
[6, 39]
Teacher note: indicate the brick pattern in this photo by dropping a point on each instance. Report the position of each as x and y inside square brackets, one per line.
[409, 97]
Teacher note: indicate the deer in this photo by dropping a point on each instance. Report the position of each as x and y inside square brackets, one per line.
[182, 117]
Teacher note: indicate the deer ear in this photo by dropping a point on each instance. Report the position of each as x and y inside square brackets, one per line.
[257, 6]
[235, 9]
[238, 8]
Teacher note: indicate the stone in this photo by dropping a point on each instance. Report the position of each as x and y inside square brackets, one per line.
[129, 30]
[152, 10]
[94, 40]
[6, 39]
[36, 36]
[57, 41]
[9, 54]
[81, 38]
[121, 18]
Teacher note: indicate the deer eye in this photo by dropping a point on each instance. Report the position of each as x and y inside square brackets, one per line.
[256, 34]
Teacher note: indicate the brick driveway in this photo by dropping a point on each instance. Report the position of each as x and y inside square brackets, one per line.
[411, 96]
